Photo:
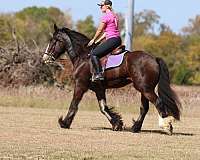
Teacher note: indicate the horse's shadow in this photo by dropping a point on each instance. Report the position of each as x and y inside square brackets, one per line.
[128, 129]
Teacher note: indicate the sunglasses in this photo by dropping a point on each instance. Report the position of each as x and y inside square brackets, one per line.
[101, 6]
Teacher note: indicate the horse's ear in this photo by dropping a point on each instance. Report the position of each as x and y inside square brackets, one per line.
[55, 27]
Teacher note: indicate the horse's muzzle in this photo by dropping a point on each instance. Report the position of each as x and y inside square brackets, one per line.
[47, 59]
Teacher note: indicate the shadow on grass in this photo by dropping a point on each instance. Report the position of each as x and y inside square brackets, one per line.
[128, 129]
[162, 132]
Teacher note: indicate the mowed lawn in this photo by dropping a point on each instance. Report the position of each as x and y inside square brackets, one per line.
[33, 133]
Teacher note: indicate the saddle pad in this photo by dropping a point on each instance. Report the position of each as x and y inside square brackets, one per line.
[114, 60]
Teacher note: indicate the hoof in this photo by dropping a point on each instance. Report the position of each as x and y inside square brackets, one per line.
[136, 128]
[118, 126]
[168, 130]
[61, 123]
[166, 124]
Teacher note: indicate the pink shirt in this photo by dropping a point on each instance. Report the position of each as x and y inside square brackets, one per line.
[111, 22]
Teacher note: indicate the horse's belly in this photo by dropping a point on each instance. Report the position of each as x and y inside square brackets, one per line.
[117, 83]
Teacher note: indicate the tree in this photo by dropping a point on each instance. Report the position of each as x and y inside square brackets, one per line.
[5, 28]
[194, 26]
[86, 27]
[192, 57]
[164, 28]
[36, 23]
[144, 22]
[191, 37]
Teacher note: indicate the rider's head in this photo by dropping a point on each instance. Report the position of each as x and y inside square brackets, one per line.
[105, 5]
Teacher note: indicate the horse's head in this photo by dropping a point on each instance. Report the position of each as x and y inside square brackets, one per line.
[56, 46]
[64, 39]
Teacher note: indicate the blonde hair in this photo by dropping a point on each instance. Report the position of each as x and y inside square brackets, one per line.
[109, 7]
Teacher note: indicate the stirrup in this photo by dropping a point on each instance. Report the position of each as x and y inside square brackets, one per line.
[97, 77]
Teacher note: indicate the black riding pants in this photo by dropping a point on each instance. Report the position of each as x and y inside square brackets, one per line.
[102, 50]
[106, 47]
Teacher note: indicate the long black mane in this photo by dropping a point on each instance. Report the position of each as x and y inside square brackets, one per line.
[79, 42]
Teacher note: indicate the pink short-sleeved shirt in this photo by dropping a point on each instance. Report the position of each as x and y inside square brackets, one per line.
[111, 22]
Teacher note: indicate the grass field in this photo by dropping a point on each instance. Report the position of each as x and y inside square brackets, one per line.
[29, 129]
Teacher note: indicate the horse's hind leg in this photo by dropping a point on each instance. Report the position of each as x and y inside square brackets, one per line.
[113, 117]
[143, 111]
[153, 98]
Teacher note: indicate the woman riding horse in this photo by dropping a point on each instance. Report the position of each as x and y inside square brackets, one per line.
[143, 70]
[109, 24]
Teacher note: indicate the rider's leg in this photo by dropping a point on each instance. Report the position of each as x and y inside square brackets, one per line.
[97, 66]
[102, 50]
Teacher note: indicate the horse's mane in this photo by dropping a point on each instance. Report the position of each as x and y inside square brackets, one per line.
[79, 41]
[76, 36]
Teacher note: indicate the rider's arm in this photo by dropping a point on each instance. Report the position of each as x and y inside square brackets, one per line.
[101, 38]
[99, 30]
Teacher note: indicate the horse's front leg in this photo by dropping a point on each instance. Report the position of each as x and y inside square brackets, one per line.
[79, 90]
[113, 117]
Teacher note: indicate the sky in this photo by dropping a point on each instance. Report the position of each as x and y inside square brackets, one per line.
[174, 13]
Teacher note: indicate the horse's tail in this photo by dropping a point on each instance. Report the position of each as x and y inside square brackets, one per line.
[166, 94]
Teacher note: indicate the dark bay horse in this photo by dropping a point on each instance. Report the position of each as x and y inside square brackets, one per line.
[139, 68]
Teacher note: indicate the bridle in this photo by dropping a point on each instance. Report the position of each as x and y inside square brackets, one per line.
[50, 57]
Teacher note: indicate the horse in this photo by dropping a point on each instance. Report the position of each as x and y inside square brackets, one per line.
[143, 70]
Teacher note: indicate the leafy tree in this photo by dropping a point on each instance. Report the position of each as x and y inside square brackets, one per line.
[191, 37]
[5, 28]
[182, 75]
[144, 22]
[86, 27]
[36, 23]
[194, 26]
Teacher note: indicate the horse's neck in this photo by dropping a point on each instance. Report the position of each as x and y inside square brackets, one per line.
[76, 50]
[79, 55]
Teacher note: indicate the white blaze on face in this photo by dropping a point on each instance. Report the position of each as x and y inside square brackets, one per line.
[46, 51]
[46, 56]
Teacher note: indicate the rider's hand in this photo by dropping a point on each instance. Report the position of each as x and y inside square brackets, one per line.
[91, 42]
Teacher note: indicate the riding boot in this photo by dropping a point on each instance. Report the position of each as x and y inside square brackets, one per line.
[97, 67]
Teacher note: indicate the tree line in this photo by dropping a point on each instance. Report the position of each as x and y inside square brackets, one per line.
[29, 30]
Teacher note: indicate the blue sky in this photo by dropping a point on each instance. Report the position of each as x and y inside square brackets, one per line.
[175, 13]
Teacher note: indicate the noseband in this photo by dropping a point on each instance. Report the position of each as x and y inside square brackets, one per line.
[50, 54]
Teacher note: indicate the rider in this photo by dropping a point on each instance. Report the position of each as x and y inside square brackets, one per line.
[108, 25]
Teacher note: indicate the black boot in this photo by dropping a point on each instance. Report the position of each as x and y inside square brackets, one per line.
[98, 70]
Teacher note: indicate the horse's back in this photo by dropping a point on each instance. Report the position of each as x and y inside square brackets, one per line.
[142, 59]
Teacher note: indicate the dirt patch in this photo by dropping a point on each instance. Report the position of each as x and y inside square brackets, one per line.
[27, 133]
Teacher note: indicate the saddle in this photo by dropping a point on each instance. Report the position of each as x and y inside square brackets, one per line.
[119, 50]
[112, 60]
